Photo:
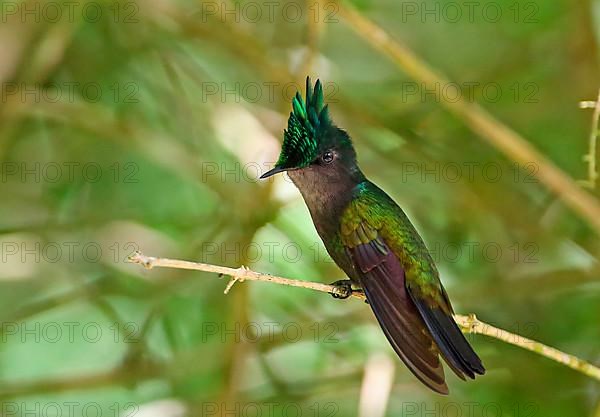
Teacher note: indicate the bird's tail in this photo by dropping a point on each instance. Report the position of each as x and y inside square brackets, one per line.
[404, 328]
[455, 349]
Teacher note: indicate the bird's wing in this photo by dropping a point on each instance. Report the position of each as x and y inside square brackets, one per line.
[412, 309]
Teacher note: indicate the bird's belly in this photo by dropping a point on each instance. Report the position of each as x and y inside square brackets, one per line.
[329, 231]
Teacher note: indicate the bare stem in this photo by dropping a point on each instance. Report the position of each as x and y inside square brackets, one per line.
[590, 157]
[468, 324]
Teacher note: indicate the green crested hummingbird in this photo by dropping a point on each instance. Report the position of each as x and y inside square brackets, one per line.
[371, 239]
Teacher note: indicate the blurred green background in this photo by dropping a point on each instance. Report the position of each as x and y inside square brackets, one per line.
[144, 125]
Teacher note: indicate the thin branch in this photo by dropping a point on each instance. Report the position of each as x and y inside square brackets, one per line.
[238, 274]
[590, 157]
[477, 118]
[468, 324]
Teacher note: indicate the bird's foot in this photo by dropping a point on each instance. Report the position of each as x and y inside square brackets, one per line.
[344, 286]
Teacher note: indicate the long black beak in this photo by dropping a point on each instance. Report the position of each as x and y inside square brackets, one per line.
[272, 172]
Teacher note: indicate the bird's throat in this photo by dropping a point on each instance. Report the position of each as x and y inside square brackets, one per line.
[326, 194]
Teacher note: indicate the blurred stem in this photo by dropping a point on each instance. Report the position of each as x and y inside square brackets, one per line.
[313, 29]
[235, 355]
[477, 118]
[469, 324]
[122, 375]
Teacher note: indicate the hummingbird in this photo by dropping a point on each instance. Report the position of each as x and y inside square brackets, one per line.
[372, 240]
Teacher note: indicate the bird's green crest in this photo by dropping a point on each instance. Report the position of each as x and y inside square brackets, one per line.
[307, 124]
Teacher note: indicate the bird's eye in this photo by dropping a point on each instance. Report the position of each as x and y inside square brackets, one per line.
[328, 157]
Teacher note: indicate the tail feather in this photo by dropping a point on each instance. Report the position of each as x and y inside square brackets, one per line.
[455, 348]
[400, 321]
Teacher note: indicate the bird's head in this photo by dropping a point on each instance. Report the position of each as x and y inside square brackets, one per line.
[312, 145]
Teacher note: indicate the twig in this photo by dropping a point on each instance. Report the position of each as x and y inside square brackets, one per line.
[477, 118]
[468, 324]
[239, 274]
[590, 157]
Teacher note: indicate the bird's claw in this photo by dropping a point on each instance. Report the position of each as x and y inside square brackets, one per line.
[345, 288]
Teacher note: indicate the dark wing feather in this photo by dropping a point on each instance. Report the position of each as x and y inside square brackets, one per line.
[382, 278]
